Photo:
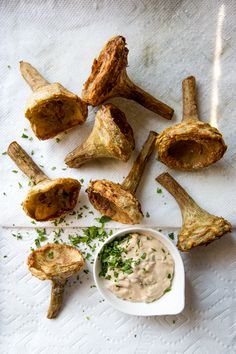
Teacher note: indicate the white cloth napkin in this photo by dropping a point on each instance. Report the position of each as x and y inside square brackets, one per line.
[168, 40]
[166, 43]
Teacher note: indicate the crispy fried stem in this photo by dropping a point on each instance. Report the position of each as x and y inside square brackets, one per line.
[131, 182]
[57, 291]
[25, 163]
[135, 93]
[190, 110]
[33, 78]
[199, 227]
[109, 78]
[186, 203]
[112, 136]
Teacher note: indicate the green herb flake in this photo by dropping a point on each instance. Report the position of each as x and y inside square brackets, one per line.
[24, 136]
[53, 168]
[4, 153]
[20, 185]
[104, 219]
[167, 290]
[18, 236]
[81, 180]
[31, 138]
[51, 255]
[159, 190]
[58, 140]
[171, 235]
[169, 276]
[144, 255]
[14, 171]
[87, 318]
[147, 215]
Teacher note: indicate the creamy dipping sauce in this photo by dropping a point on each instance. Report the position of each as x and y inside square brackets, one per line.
[137, 268]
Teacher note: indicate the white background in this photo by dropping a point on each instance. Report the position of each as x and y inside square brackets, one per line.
[167, 41]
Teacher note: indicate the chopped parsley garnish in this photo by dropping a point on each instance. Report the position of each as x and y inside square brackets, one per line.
[14, 171]
[42, 236]
[147, 215]
[159, 190]
[24, 136]
[144, 255]
[18, 236]
[167, 290]
[104, 219]
[169, 276]
[53, 168]
[20, 185]
[51, 255]
[171, 235]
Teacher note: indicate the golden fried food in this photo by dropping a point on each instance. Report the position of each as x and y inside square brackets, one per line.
[109, 78]
[117, 201]
[48, 199]
[112, 136]
[192, 144]
[51, 108]
[199, 227]
[55, 262]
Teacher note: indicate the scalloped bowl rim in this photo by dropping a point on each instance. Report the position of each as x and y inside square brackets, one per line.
[170, 303]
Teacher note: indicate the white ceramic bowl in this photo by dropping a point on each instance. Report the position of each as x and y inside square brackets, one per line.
[169, 304]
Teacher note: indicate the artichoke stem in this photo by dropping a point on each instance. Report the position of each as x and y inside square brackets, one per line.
[190, 110]
[89, 150]
[187, 205]
[131, 182]
[33, 78]
[137, 94]
[25, 163]
[57, 291]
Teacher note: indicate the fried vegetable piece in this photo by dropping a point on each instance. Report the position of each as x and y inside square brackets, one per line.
[112, 136]
[51, 108]
[117, 201]
[199, 227]
[48, 199]
[55, 262]
[109, 78]
[192, 144]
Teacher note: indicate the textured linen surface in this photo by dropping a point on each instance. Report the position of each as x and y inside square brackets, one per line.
[167, 41]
